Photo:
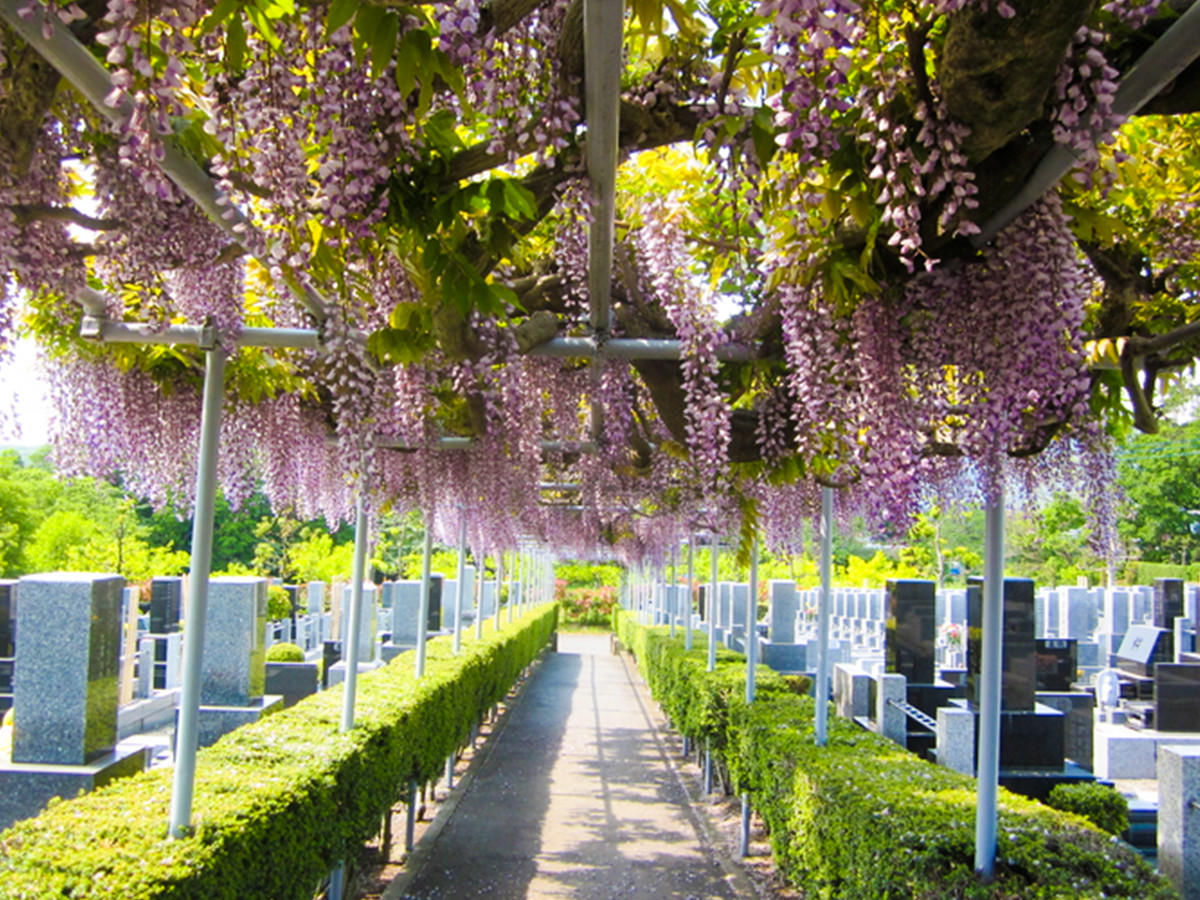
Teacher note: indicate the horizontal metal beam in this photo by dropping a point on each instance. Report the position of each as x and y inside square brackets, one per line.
[76, 64]
[205, 336]
[455, 442]
[1177, 49]
[630, 348]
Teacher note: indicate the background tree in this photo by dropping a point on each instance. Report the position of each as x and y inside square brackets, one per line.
[1160, 478]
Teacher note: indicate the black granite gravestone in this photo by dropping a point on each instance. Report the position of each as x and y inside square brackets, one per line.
[1055, 663]
[166, 596]
[8, 618]
[1019, 650]
[433, 620]
[1177, 697]
[331, 653]
[1168, 602]
[910, 630]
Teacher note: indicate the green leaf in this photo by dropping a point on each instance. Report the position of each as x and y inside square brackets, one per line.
[220, 13]
[383, 47]
[340, 12]
[366, 24]
[440, 132]
[235, 45]
[519, 201]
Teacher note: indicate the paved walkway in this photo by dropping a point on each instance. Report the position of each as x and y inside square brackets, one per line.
[574, 799]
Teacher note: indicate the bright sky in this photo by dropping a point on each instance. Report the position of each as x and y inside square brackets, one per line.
[23, 395]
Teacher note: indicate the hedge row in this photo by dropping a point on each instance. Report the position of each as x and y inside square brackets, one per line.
[862, 817]
[277, 803]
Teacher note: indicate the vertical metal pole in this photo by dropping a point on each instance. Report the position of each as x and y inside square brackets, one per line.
[824, 602]
[687, 606]
[423, 608]
[478, 602]
[462, 582]
[337, 882]
[715, 546]
[356, 596]
[672, 595]
[752, 625]
[201, 566]
[410, 824]
[513, 575]
[499, 583]
[988, 765]
[708, 772]
[450, 772]
[745, 848]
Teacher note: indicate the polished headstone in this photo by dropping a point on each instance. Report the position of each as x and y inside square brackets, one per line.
[1116, 611]
[739, 598]
[433, 622]
[67, 657]
[233, 664]
[911, 635]
[1177, 697]
[1056, 663]
[1168, 602]
[8, 616]
[1019, 651]
[166, 602]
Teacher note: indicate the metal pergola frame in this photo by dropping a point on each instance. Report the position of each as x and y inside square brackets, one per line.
[603, 36]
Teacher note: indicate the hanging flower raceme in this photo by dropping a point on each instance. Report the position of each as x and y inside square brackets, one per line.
[663, 266]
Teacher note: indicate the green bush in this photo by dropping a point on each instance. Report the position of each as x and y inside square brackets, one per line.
[278, 803]
[1101, 805]
[279, 604]
[284, 652]
[861, 817]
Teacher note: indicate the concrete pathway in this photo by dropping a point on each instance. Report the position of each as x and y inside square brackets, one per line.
[575, 798]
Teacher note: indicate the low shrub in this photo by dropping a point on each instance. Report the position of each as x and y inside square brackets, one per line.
[1101, 805]
[861, 817]
[284, 652]
[278, 803]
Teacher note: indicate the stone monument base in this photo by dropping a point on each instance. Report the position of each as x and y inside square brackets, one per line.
[337, 672]
[217, 721]
[789, 658]
[26, 788]
[391, 651]
[153, 712]
[1123, 752]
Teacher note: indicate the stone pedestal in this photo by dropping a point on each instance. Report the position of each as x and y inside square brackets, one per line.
[215, 722]
[785, 657]
[1179, 817]
[851, 691]
[891, 722]
[26, 788]
[956, 739]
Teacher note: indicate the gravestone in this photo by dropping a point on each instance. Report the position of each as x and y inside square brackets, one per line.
[366, 623]
[1168, 602]
[387, 595]
[1077, 613]
[1177, 697]
[316, 597]
[433, 622]
[233, 667]
[1143, 648]
[8, 594]
[1056, 663]
[487, 599]
[64, 692]
[405, 611]
[1116, 611]
[166, 602]
[911, 634]
[1019, 657]
[783, 612]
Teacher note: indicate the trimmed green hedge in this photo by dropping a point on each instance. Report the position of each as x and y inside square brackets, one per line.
[277, 803]
[861, 817]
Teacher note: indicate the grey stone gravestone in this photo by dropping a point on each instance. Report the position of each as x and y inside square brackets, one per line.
[783, 612]
[316, 597]
[233, 669]
[65, 692]
[366, 624]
